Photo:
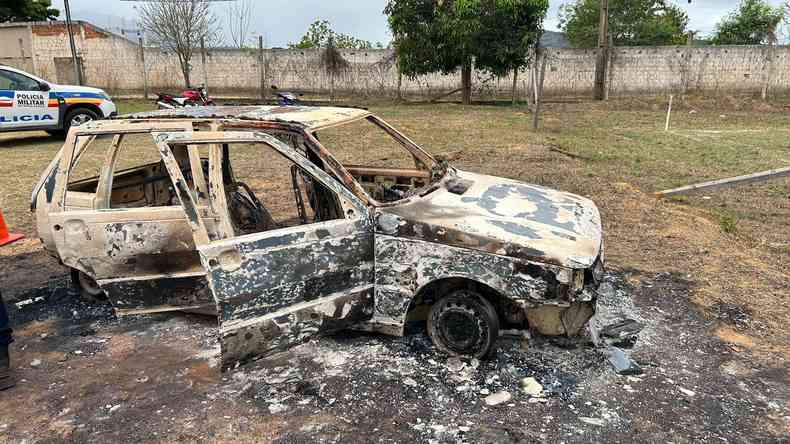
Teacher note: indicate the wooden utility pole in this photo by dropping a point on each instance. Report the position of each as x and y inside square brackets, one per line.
[539, 87]
[601, 61]
[74, 59]
[203, 62]
[145, 70]
[263, 68]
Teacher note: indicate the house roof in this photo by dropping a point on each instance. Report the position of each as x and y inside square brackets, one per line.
[310, 117]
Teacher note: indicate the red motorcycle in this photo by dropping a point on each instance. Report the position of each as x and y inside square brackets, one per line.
[191, 97]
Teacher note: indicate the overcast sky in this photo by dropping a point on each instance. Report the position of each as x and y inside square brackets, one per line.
[283, 21]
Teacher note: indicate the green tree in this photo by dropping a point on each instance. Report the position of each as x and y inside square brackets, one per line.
[27, 11]
[320, 33]
[445, 35]
[754, 23]
[631, 22]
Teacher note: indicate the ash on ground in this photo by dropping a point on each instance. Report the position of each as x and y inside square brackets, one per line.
[438, 397]
[87, 376]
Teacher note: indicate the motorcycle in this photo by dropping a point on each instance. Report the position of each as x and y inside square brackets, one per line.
[189, 98]
[286, 98]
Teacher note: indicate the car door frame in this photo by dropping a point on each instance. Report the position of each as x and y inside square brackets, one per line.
[248, 273]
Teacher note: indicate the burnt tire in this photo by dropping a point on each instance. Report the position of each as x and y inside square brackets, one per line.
[464, 323]
[77, 117]
[86, 287]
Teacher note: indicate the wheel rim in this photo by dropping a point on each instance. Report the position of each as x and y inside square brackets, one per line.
[80, 119]
[89, 285]
[461, 328]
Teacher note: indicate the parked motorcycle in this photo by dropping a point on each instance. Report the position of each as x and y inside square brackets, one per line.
[285, 98]
[191, 97]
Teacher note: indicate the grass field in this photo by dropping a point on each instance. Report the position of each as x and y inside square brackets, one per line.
[732, 246]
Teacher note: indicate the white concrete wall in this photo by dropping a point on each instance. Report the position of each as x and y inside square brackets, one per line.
[114, 63]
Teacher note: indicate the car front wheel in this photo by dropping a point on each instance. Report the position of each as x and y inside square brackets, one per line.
[464, 323]
[77, 117]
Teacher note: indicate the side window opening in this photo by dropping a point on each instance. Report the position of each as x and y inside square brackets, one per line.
[267, 191]
[140, 178]
[87, 163]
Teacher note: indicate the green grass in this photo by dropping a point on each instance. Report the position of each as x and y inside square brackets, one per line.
[134, 106]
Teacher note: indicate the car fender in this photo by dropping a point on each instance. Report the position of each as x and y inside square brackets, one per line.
[406, 267]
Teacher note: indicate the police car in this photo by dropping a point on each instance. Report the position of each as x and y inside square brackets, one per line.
[30, 103]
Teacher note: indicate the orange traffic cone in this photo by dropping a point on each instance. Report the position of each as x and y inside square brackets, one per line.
[6, 237]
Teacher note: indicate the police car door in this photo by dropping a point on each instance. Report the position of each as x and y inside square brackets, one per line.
[23, 104]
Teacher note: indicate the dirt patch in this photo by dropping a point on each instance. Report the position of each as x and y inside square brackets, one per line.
[731, 336]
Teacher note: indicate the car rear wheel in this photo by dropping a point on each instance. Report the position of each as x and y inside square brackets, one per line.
[77, 117]
[464, 323]
[87, 287]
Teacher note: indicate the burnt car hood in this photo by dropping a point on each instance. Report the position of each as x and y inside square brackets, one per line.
[503, 217]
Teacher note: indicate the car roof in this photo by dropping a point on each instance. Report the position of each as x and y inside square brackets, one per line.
[309, 117]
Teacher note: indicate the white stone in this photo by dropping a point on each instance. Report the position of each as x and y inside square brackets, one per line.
[530, 386]
[277, 408]
[498, 398]
[455, 365]
[591, 421]
[686, 392]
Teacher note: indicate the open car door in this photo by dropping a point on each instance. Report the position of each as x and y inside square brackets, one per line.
[279, 287]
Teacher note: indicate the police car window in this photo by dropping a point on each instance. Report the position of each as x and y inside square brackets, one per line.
[17, 82]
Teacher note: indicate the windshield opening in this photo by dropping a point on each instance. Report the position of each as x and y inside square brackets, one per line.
[388, 165]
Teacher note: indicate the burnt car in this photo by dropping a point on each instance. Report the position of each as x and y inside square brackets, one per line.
[256, 215]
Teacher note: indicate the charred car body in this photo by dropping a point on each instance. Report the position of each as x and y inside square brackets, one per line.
[365, 247]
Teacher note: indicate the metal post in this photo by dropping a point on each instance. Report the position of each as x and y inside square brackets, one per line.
[603, 51]
[145, 70]
[77, 70]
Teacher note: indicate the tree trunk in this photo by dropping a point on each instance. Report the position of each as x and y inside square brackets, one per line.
[332, 87]
[185, 71]
[515, 86]
[400, 83]
[466, 83]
